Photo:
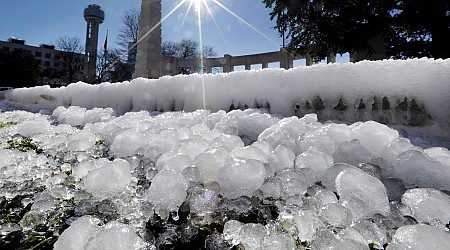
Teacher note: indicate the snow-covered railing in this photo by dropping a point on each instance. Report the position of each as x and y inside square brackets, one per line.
[412, 92]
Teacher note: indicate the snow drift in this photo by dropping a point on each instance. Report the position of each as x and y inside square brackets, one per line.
[350, 92]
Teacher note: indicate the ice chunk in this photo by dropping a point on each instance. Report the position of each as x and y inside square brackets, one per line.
[285, 132]
[363, 194]
[213, 118]
[110, 179]
[316, 160]
[371, 231]
[335, 215]
[167, 191]
[328, 178]
[204, 202]
[339, 132]
[307, 224]
[264, 146]
[320, 141]
[178, 162]
[33, 127]
[416, 169]
[164, 158]
[240, 177]
[293, 125]
[193, 147]
[373, 136]
[352, 153]
[7, 157]
[78, 234]
[115, 235]
[98, 115]
[281, 158]
[277, 241]
[390, 154]
[428, 205]
[251, 126]
[350, 234]
[418, 237]
[251, 236]
[326, 196]
[249, 152]
[128, 143]
[295, 182]
[231, 231]
[81, 141]
[73, 115]
[228, 141]
[272, 187]
[166, 140]
[440, 154]
[209, 163]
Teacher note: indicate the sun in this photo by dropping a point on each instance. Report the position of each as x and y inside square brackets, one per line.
[198, 3]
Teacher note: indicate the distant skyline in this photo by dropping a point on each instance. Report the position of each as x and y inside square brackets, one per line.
[247, 30]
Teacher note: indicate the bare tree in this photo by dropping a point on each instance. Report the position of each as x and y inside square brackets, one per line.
[129, 35]
[111, 68]
[186, 49]
[72, 48]
[129, 32]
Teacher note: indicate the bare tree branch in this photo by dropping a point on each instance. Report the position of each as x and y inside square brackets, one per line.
[71, 47]
[129, 32]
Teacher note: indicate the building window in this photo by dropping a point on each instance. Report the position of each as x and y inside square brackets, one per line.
[56, 64]
[5, 48]
[47, 64]
[57, 57]
[65, 58]
[48, 55]
[38, 54]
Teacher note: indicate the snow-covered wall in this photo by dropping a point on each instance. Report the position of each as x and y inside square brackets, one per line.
[287, 92]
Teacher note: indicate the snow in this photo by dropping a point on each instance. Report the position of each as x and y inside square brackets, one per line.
[125, 167]
[425, 80]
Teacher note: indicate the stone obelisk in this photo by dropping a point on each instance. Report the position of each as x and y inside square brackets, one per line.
[149, 58]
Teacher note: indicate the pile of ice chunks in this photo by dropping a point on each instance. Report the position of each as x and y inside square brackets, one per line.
[202, 180]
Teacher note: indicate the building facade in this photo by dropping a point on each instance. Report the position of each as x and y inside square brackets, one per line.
[53, 62]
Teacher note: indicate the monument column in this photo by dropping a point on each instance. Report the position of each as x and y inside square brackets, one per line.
[149, 58]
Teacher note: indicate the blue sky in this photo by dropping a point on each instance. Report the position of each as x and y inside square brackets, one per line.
[45, 21]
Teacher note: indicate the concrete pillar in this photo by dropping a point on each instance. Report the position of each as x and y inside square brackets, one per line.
[248, 67]
[265, 65]
[227, 67]
[331, 58]
[149, 58]
[286, 60]
[309, 60]
[284, 64]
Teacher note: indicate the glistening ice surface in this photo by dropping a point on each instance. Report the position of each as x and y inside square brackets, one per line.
[88, 179]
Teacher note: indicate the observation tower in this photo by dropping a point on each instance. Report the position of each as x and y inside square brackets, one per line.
[94, 16]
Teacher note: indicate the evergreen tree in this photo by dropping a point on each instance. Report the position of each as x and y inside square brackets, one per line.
[19, 68]
[410, 28]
